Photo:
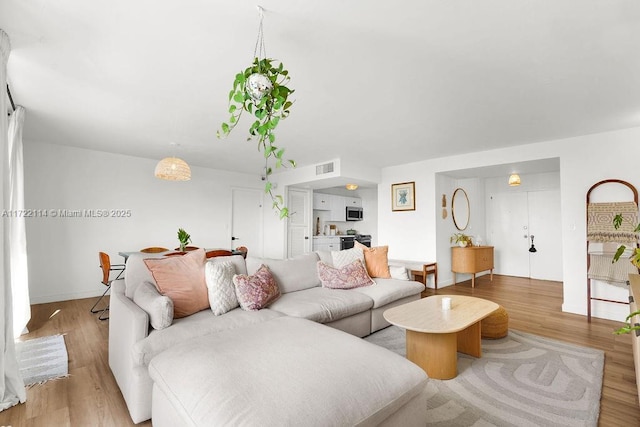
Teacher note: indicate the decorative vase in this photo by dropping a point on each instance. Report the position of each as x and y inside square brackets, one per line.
[462, 243]
[182, 246]
[258, 85]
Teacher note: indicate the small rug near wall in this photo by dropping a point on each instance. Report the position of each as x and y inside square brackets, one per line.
[521, 380]
[42, 359]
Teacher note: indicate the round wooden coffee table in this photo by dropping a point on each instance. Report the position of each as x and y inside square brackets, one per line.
[434, 335]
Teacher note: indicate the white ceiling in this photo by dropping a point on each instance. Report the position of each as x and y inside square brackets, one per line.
[387, 82]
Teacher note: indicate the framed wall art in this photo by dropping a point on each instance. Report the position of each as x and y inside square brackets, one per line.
[403, 196]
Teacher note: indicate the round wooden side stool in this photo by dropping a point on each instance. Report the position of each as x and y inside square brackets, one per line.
[496, 325]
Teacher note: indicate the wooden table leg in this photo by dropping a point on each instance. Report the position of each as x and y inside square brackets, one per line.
[473, 280]
[469, 340]
[435, 276]
[436, 354]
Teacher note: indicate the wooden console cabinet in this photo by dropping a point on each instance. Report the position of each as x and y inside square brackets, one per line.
[471, 260]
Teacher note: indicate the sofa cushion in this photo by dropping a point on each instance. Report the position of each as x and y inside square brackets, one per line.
[386, 291]
[237, 261]
[285, 372]
[399, 272]
[257, 291]
[376, 260]
[352, 275]
[221, 290]
[292, 274]
[137, 272]
[158, 307]
[322, 304]
[195, 326]
[181, 278]
[326, 257]
[346, 257]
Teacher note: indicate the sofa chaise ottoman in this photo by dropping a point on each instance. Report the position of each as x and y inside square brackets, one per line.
[285, 372]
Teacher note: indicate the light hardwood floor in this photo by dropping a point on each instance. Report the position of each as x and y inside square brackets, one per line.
[90, 396]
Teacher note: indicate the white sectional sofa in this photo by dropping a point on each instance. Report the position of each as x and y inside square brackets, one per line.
[134, 343]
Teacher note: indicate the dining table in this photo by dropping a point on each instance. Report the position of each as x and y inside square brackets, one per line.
[126, 254]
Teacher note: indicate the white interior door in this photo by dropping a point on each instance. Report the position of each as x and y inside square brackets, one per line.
[512, 218]
[299, 223]
[545, 226]
[246, 220]
[507, 231]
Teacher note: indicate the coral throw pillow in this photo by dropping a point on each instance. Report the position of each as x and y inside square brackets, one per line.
[350, 276]
[181, 278]
[376, 260]
[257, 291]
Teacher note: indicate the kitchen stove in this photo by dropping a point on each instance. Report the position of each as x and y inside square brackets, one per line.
[347, 242]
[364, 239]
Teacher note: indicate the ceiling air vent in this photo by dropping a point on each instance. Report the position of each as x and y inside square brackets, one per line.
[325, 168]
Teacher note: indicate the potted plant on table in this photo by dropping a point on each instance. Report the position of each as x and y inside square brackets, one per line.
[184, 238]
[461, 240]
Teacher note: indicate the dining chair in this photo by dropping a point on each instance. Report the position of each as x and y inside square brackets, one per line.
[218, 252]
[244, 250]
[107, 268]
[153, 250]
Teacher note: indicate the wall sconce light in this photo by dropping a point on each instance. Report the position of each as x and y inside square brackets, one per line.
[514, 180]
[351, 186]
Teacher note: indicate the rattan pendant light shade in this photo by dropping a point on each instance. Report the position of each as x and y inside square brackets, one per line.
[173, 169]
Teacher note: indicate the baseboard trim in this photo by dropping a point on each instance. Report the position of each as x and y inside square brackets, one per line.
[44, 299]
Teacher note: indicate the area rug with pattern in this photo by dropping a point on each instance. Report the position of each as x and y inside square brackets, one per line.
[42, 359]
[520, 380]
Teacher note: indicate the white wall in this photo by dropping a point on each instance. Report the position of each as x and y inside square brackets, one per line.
[445, 228]
[275, 230]
[584, 161]
[63, 252]
[530, 182]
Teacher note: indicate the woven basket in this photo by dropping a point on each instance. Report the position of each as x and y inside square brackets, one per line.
[496, 325]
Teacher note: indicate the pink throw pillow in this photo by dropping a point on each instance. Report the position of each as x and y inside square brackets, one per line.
[352, 275]
[181, 278]
[257, 291]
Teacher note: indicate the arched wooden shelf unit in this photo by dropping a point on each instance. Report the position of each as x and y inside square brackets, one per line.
[635, 199]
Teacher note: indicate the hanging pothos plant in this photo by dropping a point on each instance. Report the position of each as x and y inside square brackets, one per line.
[262, 91]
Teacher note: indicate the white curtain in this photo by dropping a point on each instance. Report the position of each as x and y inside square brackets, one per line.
[18, 235]
[12, 388]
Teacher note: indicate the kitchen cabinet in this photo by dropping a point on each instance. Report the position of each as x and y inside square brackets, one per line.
[321, 202]
[472, 259]
[335, 205]
[338, 212]
[326, 243]
[355, 202]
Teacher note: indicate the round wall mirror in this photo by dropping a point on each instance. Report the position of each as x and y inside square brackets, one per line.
[460, 211]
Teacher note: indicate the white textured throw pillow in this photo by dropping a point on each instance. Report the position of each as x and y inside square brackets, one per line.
[158, 307]
[222, 292]
[346, 257]
[398, 272]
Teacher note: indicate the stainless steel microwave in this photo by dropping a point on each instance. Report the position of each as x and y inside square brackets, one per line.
[354, 213]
